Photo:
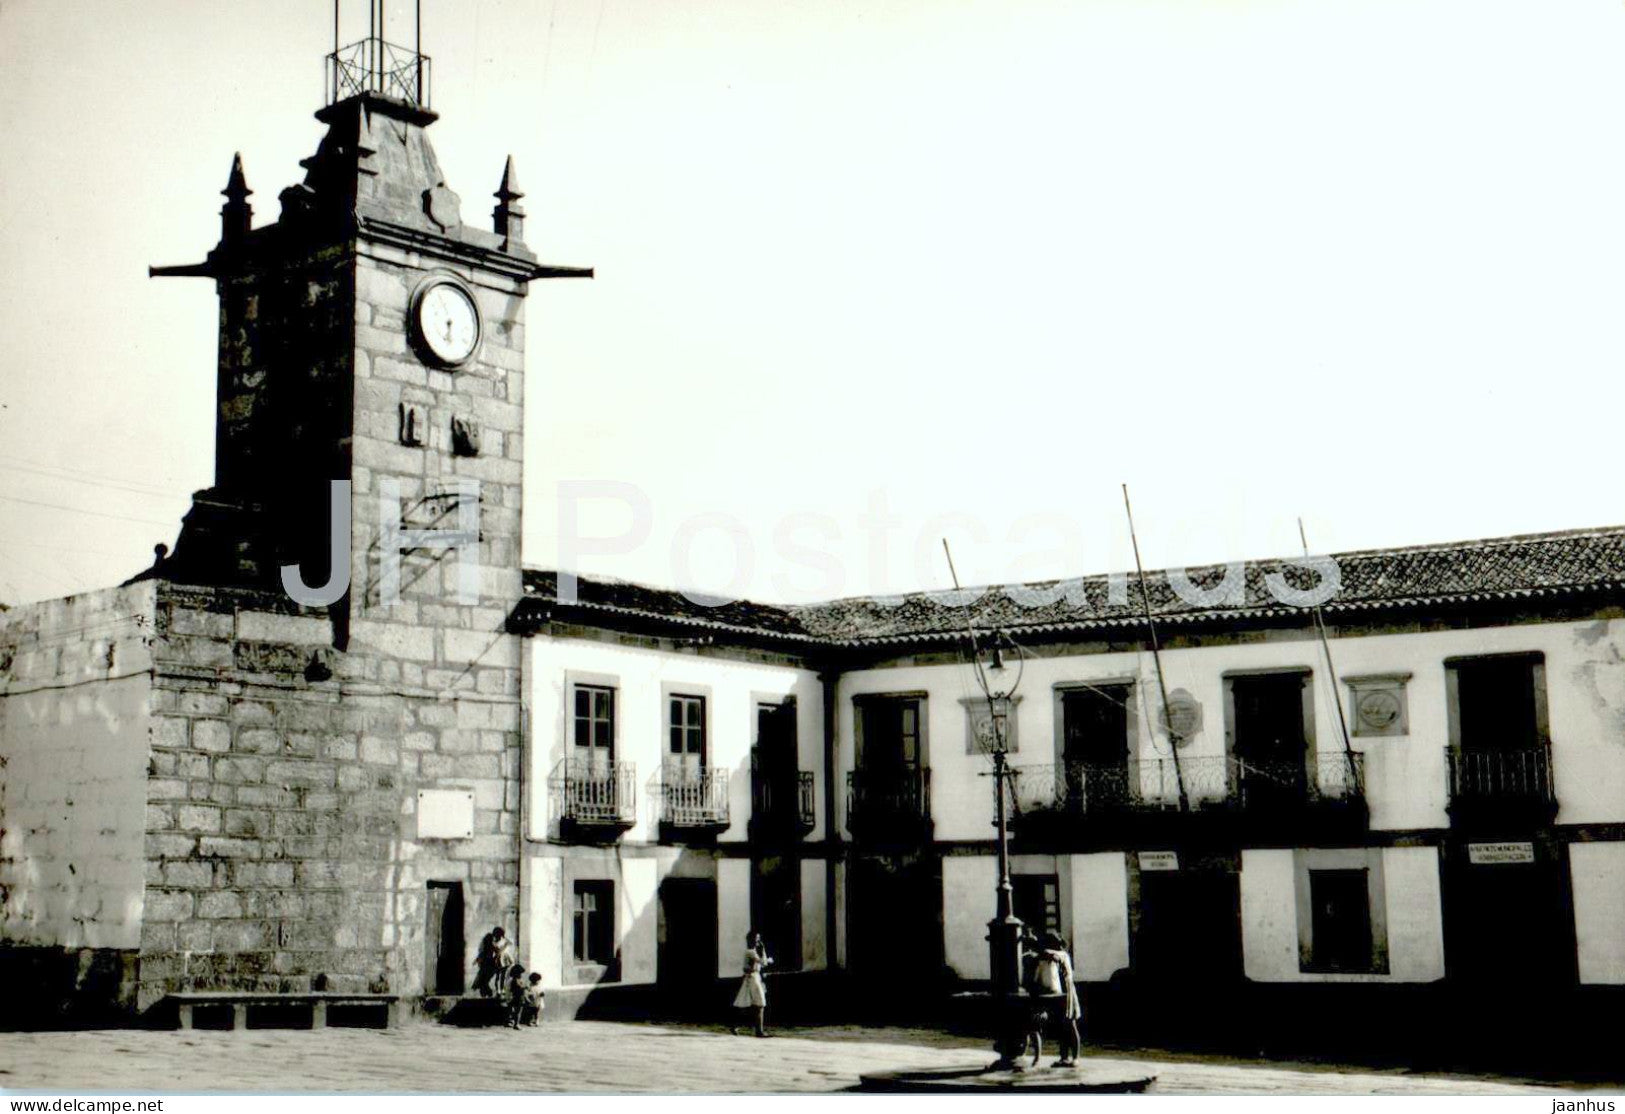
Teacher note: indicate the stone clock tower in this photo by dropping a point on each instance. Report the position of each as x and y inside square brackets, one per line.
[335, 785]
[368, 336]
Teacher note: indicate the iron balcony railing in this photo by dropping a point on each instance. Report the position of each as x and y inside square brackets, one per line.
[888, 803]
[1502, 777]
[1210, 782]
[783, 803]
[595, 793]
[372, 65]
[693, 798]
[1327, 776]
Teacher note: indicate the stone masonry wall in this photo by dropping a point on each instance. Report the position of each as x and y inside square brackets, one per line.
[75, 687]
[282, 846]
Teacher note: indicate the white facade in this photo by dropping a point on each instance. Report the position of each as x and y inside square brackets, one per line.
[1406, 779]
[638, 862]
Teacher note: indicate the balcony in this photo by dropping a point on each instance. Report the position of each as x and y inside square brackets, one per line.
[594, 801]
[693, 802]
[1139, 801]
[1333, 778]
[1501, 786]
[781, 808]
[889, 807]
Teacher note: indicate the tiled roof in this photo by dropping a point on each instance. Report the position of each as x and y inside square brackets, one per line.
[612, 598]
[1493, 570]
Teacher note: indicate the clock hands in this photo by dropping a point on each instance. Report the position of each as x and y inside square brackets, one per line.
[443, 320]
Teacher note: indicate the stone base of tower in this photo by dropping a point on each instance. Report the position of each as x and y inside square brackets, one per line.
[189, 806]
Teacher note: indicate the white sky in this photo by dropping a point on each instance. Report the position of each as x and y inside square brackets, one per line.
[1360, 261]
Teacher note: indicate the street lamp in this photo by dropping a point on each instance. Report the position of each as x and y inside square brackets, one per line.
[999, 682]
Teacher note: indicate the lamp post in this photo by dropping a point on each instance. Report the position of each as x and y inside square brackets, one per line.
[998, 684]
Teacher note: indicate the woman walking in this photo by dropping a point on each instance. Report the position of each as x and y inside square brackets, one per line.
[752, 994]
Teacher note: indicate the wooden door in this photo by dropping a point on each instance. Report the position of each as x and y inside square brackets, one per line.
[1189, 926]
[1094, 746]
[685, 730]
[686, 953]
[593, 728]
[1269, 741]
[1496, 698]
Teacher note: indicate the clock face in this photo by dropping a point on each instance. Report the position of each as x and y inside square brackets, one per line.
[448, 323]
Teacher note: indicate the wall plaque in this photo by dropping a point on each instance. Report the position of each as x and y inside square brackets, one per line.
[1159, 860]
[979, 735]
[445, 814]
[1481, 854]
[1182, 717]
[1377, 704]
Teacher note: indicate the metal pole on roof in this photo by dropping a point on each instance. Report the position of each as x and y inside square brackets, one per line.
[1156, 656]
[1337, 693]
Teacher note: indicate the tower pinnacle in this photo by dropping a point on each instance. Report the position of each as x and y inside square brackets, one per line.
[237, 215]
[508, 219]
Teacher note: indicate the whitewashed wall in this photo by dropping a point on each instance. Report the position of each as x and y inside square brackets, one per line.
[1269, 918]
[1599, 910]
[814, 915]
[1097, 898]
[967, 906]
[733, 914]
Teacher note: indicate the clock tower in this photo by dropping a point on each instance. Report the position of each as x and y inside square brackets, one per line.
[368, 336]
[332, 656]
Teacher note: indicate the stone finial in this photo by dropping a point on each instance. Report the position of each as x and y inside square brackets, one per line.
[366, 145]
[237, 215]
[508, 219]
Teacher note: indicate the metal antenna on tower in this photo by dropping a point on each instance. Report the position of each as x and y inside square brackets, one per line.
[374, 64]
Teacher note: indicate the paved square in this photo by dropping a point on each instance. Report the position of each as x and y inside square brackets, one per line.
[600, 1056]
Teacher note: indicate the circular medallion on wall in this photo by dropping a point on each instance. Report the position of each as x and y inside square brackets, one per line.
[1182, 717]
[1378, 709]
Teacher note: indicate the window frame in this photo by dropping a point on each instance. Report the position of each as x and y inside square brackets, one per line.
[595, 929]
[1539, 691]
[592, 684]
[681, 690]
[685, 726]
[863, 701]
[1312, 861]
[1019, 880]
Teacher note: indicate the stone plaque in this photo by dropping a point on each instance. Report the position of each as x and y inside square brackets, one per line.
[445, 814]
[1377, 704]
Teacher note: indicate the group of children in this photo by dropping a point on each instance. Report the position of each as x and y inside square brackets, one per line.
[525, 997]
[499, 974]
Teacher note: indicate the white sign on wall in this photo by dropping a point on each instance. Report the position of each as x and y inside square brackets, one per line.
[445, 813]
[1159, 860]
[1482, 853]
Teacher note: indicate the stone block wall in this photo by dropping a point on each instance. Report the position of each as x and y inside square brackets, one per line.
[282, 849]
[75, 689]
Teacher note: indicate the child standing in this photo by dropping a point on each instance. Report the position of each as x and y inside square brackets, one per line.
[535, 1000]
[514, 993]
